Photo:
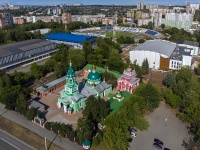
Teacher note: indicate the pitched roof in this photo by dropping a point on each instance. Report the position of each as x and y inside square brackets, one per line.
[160, 46]
[191, 43]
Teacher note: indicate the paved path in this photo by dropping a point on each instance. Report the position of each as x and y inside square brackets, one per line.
[8, 142]
[171, 135]
[21, 120]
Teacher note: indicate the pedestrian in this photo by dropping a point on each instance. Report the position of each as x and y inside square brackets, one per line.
[60, 139]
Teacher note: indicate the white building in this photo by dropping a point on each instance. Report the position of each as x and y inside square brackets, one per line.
[157, 19]
[193, 47]
[144, 21]
[140, 6]
[179, 20]
[161, 55]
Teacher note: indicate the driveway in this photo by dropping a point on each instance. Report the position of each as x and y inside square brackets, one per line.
[171, 135]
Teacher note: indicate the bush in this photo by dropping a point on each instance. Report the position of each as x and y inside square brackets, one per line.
[95, 141]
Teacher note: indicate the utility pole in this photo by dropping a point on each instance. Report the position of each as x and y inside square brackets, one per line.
[45, 143]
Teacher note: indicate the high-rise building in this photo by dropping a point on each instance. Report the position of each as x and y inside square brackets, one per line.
[48, 11]
[151, 6]
[138, 15]
[157, 19]
[8, 18]
[179, 20]
[140, 6]
[66, 18]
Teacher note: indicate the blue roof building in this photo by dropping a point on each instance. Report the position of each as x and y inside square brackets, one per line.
[70, 39]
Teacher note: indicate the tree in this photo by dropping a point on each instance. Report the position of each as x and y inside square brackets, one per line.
[31, 113]
[84, 129]
[78, 58]
[36, 71]
[151, 95]
[21, 104]
[170, 79]
[87, 48]
[145, 66]
[141, 40]
[162, 26]
[96, 108]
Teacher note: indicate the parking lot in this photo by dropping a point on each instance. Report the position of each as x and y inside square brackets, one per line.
[171, 135]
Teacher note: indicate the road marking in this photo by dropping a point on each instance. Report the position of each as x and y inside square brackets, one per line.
[10, 143]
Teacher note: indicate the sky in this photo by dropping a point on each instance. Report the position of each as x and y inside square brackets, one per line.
[97, 2]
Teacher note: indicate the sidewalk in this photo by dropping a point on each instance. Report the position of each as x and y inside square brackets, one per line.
[21, 120]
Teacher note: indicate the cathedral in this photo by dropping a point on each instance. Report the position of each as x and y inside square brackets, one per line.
[73, 97]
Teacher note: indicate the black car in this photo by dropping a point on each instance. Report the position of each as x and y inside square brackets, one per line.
[156, 145]
[158, 142]
[166, 149]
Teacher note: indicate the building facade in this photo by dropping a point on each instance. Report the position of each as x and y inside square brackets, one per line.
[66, 18]
[128, 80]
[179, 20]
[140, 6]
[73, 97]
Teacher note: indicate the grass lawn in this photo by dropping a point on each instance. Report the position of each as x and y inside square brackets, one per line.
[101, 146]
[25, 135]
[118, 34]
[115, 104]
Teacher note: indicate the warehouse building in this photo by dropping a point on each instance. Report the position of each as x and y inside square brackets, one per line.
[162, 55]
[26, 51]
[74, 40]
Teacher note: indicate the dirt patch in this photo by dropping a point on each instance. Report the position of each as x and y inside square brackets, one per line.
[24, 134]
[155, 77]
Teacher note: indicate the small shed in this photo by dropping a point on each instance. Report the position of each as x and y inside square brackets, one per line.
[36, 105]
[86, 144]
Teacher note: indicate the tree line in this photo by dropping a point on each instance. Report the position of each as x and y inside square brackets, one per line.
[182, 92]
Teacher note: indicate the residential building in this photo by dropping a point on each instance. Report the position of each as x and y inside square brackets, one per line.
[179, 20]
[140, 6]
[19, 20]
[109, 21]
[157, 19]
[8, 18]
[194, 6]
[2, 22]
[144, 21]
[151, 6]
[192, 46]
[88, 18]
[138, 15]
[66, 18]
[130, 13]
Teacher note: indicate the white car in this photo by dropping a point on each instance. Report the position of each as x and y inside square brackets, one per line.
[133, 132]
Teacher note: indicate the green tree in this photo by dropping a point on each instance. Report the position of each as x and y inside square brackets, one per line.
[96, 108]
[31, 113]
[151, 95]
[78, 58]
[162, 26]
[170, 79]
[87, 48]
[84, 129]
[145, 66]
[21, 104]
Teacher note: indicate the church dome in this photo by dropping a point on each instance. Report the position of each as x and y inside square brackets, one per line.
[94, 77]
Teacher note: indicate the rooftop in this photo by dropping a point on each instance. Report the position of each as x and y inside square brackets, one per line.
[19, 47]
[191, 43]
[159, 46]
[75, 38]
[102, 70]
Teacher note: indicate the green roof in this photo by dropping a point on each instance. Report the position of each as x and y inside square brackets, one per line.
[102, 70]
[94, 75]
[115, 104]
[86, 143]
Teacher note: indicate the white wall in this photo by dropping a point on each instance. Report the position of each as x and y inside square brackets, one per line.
[152, 57]
[174, 64]
[187, 60]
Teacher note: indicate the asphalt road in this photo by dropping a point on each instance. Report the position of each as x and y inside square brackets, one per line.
[8, 142]
[171, 135]
[52, 137]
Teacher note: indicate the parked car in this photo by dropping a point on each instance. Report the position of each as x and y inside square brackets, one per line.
[158, 142]
[166, 149]
[133, 132]
[156, 145]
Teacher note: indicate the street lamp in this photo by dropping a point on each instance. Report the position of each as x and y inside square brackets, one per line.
[45, 142]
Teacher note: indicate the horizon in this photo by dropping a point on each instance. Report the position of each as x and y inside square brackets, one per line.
[96, 2]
